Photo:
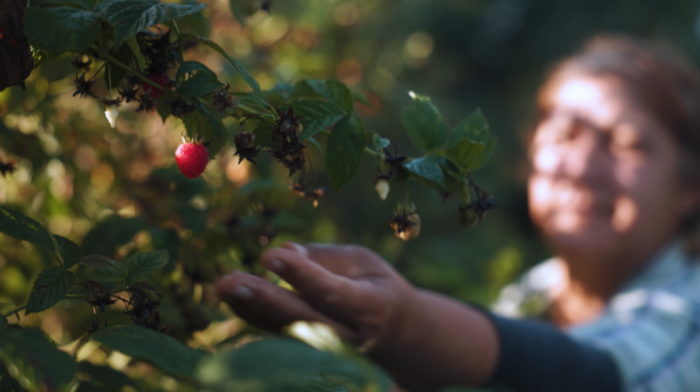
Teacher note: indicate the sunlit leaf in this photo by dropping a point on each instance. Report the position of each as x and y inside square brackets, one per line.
[424, 124]
[465, 154]
[473, 127]
[50, 287]
[427, 169]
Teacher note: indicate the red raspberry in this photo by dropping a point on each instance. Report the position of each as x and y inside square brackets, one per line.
[161, 79]
[192, 159]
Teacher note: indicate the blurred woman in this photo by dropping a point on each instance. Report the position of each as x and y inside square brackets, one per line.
[614, 190]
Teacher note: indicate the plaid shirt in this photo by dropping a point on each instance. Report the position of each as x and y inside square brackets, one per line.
[651, 327]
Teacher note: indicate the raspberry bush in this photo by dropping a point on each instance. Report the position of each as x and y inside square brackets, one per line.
[131, 271]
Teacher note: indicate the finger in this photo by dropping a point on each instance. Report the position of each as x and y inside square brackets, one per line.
[269, 306]
[334, 294]
[347, 260]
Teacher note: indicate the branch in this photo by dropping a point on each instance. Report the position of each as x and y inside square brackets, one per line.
[119, 64]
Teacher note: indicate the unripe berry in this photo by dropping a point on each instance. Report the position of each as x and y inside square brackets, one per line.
[382, 187]
[153, 92]
[192, 159]
[111, 114]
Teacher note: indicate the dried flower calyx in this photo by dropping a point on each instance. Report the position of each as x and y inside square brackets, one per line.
[300, 189]
[285, 144]
[473, 212]
[179, 107]
[159, 51]
[245, 147]
[83, 87]
[222, 100]
[82, 62]
[7, 168]
[142, 307]
[405, 222]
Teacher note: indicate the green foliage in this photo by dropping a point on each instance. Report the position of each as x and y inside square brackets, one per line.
[476, 129]
[24, 228]
[424, 124]
[105, 270]
[427, 169]
[344, 150]
[201, 82]
[317, 115]
[248, 78]
[50, 287]
[84, 4]
[332, 90]
[35, 359]
[111, 233]
[379, 142]
[156, 348]
[131, 16]
[61, 29]
[103, 378]
[283, 364]
[205, 123]
[465, 154]
[70, 251]
[140, 264]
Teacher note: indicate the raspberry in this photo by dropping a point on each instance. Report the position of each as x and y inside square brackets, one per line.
[192, 159]
[161, 79]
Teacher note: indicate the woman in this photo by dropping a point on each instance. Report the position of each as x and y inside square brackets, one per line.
[613, 189]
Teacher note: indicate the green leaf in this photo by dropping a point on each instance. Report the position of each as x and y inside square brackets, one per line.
[104, 376]
[465, 154]
[361, 98]
[424, 124]
[61, 29]
[114, 75]
[24, 228]
[157, 348]
[263, 133]
[316, 115]
[131, 16]
[84, 4]
[473, 127]
[488, 151]
[69, 250]
[136, 51]
[427, 169]
[3, 324]
[196, 23]
[190, 67]
[282, 365]
[50, 287]
[111, 233]
[279, 94]
[248, 78]
[7, 382]
[38, 361]
[204, 122]
[379, 142]
[140, 264]
[344, 150]
[105, 270]
[200, 84]
[332, 90]
[163, 110]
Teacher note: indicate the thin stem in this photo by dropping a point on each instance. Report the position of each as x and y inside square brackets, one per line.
[128, 69]
[179, 39]
[13, 311]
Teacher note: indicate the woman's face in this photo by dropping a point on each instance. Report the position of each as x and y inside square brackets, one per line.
[605, 175]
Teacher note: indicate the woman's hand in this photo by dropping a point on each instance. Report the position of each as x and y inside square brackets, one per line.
[347, 287]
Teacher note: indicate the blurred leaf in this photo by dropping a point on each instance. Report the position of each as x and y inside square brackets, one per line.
[36, 358]
[165, 239]
[69, 250]
[332, 90]
[157, 348]
[465, 154]
[361, 98]
[190, 67]
[116, 74]
[111, 233]
[84, 4]
[136, 51]
[488, 151]
[344, 150]
[196, 22]
[204, 122]
[424, 124]
[279, 94]
[163, 110]
[427, 169]
[140, 264]
[379, 142]
[318, 385]
[131, 16]
[103, 377]
[50, 287]
[316, 116]
[193, 218]
[7, 383]
[106, 270]
[200, 84]
[61, 29]
[184, 188]
[263, 133]
[253, 101]
[281, 365]
[473, 127]
[248, 78]
[3, 322]
[24, 228]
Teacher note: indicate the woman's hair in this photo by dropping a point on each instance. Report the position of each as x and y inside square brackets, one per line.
[662, 81]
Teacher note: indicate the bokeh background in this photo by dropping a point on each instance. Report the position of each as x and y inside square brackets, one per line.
[85, 180]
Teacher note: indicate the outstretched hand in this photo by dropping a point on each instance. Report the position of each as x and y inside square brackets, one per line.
[347, 287]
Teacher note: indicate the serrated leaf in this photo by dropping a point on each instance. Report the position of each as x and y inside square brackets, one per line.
[24, 228]
[157, 348]
[279, 94]
[344, 150]
[488, 151]
[191, 67]
[112, 232]
[69, 250]
[316, 115]
[248, 78]
[282, 365]
[465, 154]
[204, 122]
[131, 16]
[424, 124]
[84, 4]
[200, 84]
[427, 169]
[61, 29]
[379, 142]
[332, 90]
[106, 270]
[263, 133]
[473, 127]
[43, 366]
[114, 75]
[140, 264]
[50, 287]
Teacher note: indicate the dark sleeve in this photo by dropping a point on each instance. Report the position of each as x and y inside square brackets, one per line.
[535, 356]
